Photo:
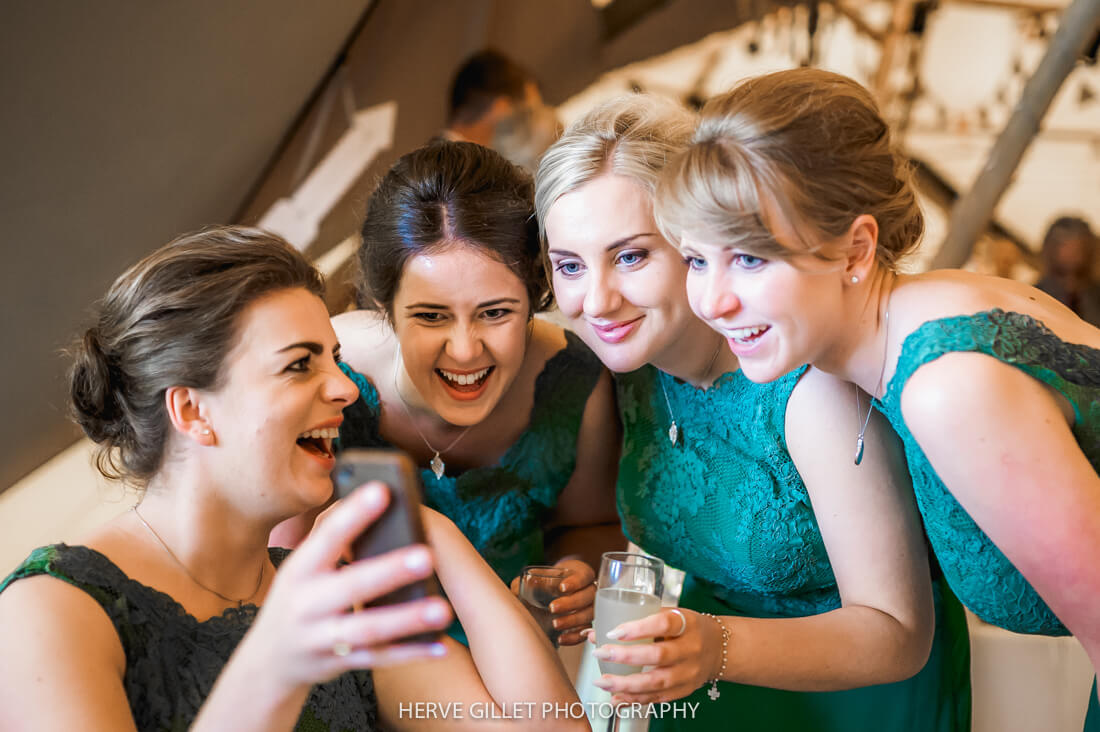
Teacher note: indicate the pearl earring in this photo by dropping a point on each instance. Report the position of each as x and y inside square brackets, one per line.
[205, 430]
[855, 280]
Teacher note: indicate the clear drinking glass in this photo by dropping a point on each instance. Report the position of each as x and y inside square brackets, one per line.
[629, 587]
[540, 585]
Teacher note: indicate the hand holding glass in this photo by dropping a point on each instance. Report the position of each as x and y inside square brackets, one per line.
[629, 587]
[540, 585]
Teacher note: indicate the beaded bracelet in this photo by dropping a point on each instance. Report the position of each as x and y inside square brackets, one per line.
[713, 692]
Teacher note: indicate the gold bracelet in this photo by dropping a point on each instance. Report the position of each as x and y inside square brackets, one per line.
[713, 692]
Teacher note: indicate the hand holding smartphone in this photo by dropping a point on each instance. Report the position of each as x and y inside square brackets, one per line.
[399, 525]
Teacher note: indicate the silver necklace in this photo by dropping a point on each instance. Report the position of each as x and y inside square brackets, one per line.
[436, 463]
[240, 602]
[878, 387]
[673, 430]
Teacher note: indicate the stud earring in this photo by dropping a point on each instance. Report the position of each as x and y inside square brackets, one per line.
[205, 431]
[855, 280]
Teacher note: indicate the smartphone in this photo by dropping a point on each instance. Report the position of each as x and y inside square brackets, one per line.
[399, 525]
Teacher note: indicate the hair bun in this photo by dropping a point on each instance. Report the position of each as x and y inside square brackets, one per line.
[93, 383]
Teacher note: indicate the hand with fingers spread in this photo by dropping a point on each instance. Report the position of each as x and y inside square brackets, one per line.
[687, 652]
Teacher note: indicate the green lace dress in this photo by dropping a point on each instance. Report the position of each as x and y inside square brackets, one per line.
[977, 571]
[502, 508]
[727, 505]
[172, 659]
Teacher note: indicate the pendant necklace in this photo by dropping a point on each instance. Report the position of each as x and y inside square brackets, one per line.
[436, 463]
[673, 430]
[878, 387]
[211, 590]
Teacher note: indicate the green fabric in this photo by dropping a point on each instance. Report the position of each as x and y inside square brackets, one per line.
[981, 576]
[1092, 718]
[727, 505]
[502, 508]
[173, 659]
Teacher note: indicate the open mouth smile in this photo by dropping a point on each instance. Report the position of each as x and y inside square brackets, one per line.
[318, 442]
[465, 385]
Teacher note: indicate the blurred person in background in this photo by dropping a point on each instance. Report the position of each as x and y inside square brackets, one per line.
[1069, 267]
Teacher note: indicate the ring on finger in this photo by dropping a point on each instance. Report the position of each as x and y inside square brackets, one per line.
[683, 622]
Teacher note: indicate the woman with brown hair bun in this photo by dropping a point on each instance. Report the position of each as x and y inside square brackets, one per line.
[793, 208]
[211, 381]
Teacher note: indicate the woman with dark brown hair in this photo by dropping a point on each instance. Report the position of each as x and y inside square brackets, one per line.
[510, 417]
[211, 381]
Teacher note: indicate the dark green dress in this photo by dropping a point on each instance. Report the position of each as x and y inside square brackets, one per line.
[977, 571]
[502, 508]
[172, 659]
[727, 505]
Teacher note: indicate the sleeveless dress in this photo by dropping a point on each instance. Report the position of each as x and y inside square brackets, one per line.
[977, 571]
[727, 505]
[502, 508]
[172, 659]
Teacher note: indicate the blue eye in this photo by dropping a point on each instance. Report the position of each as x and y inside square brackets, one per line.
[630, 258]
[747, 261]
[568, 268]
[696, 264]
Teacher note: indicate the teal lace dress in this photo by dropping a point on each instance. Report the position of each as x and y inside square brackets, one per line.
[172, 659]
[727, 505]
[502, 508]
[977, 571]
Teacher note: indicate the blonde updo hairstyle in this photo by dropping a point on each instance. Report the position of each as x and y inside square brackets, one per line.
[171, 320]
[807, 144]
[631, 136]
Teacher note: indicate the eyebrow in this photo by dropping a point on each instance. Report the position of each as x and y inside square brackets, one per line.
[617, 244]
[313, 347]
[486, 304]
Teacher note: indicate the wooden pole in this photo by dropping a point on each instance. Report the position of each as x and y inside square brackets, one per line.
[970, 215]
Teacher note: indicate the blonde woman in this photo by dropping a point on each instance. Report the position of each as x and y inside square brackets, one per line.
[807, 576]
[793, 208]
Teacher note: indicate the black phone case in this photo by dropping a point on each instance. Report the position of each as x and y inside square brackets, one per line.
[398, 526]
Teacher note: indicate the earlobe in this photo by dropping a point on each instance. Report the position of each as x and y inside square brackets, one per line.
[185, 413]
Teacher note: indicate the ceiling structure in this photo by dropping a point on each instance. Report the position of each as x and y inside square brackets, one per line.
[130, 123]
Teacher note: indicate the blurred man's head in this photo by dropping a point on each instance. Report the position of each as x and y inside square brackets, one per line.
[496, 103]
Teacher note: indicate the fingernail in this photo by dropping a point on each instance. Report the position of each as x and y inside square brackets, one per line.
[603, 653]
[603, 683]
[438, 649]
[417, 559]
[563, 587]
[372, 496]
[615, 634]
[435, 613]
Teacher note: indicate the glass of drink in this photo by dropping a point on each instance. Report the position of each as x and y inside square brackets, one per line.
[540, 585]
[628, 588]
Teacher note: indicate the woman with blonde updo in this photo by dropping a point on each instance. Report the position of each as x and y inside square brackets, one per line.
[211, 380]
[807, 577]
[793, 209]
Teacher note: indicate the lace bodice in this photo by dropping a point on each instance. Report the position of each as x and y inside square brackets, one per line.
[726, 503]
[978, 572]
[173, 659]
[502, 508]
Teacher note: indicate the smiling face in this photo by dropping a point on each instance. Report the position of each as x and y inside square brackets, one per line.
[461, 318]
[776, 314]
[616, 280]
[280, 402]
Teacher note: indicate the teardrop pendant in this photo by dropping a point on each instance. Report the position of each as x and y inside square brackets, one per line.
[859, 449]
[437, 466]
[673, 432]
